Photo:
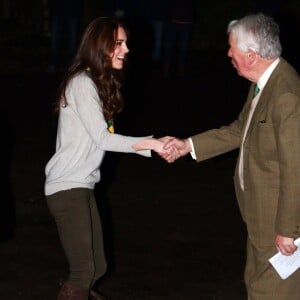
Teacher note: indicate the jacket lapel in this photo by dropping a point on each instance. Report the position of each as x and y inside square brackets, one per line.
[264, 98]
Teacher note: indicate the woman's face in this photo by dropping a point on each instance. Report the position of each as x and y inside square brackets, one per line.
[120, 51]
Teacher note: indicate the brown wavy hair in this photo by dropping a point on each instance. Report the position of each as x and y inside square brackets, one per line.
[94, 54]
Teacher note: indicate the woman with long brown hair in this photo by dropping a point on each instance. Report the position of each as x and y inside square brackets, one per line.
[89, 99]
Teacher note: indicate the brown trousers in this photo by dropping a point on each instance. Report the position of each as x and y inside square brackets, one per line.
[79, 226]
[263, 282]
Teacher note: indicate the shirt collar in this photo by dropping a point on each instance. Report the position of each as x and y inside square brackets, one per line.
[262, 81]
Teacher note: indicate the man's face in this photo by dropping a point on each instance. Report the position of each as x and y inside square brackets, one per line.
[239, 59]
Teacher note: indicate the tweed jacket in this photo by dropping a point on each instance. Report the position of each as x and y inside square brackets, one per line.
[270, 201]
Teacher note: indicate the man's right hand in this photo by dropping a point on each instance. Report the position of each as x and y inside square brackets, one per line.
[180, 148]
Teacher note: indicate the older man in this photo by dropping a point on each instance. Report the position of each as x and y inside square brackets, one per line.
[267, 132]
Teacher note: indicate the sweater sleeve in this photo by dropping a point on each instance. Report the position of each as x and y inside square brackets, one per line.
[83, 99]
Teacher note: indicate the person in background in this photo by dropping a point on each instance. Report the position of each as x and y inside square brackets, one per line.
[65, 17]
[89, 100]
[267, 133]
[156, 12]
[177, 32]
[272, 8]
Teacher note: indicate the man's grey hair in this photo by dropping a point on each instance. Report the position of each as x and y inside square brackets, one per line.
[259, 33]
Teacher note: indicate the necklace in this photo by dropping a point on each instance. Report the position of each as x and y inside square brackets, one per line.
[110, 126]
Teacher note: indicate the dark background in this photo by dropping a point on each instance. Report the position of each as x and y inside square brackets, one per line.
[171, 231]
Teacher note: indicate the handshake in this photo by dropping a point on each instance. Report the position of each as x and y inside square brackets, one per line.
[168, 147]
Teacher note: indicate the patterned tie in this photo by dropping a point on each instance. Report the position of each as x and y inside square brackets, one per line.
[256, 90]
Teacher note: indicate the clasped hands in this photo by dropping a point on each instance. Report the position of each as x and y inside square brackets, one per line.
[171, 148]
[168, 147]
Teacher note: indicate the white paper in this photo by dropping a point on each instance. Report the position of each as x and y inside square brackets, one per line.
[286, 265]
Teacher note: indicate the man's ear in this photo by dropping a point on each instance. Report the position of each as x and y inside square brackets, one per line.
[251, 56]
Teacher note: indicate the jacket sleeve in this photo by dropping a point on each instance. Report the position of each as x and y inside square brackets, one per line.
[218, 141]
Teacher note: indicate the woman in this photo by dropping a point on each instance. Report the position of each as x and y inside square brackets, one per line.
[88, 102]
